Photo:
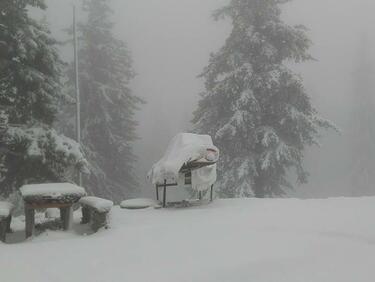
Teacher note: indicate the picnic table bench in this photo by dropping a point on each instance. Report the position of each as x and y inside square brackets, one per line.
[95, 211]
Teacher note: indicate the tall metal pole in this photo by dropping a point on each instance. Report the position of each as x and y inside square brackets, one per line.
[76, 84]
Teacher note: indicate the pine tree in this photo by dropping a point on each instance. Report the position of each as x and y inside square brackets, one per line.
[362, 128]
[107, 104]
[32, 151]
[254, 107]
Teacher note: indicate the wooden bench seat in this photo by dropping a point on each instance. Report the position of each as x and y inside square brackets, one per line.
[95, 211]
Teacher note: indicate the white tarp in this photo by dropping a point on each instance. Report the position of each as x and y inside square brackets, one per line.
[184, 148]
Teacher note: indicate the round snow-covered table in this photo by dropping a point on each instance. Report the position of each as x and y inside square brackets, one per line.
[134, 204]
[50, 195]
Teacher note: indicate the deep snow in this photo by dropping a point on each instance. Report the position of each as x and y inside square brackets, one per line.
[229, 240]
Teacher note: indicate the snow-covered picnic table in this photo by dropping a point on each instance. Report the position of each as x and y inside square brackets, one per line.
[50, 195]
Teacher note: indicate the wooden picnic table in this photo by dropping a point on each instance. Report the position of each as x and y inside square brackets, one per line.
[50, 195]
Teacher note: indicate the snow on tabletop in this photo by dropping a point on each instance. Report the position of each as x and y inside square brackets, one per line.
[51, 190]
[5, 209]
[183, 148]
[102, 205]
[139, 203]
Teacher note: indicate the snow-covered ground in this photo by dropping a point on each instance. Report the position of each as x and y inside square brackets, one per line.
[256, 240]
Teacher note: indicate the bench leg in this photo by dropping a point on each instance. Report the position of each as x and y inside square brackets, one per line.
[3, 230]
[30, 222]
[98, 220]
[86, 215]
[8, 222]
[66, 215]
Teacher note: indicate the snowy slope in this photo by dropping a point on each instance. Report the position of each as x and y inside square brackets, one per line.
[230, 240]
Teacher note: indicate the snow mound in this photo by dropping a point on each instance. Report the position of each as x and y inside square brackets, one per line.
[139, 203]
[5, 209]
[52, 213]
[185, 148]
[102, 205]
[51, 190]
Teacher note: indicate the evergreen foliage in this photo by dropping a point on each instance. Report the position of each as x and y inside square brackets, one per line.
[107, 104]
[30, 88]
[255, 108]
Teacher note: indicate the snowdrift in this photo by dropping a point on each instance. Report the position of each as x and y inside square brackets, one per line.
[269, 240]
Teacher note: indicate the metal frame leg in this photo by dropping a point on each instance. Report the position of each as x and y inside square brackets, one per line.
[165, 194]
[157, 192]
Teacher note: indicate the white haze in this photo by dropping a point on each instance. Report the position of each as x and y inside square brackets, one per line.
[170, 41]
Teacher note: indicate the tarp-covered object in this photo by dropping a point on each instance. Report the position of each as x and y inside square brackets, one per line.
[186, 149]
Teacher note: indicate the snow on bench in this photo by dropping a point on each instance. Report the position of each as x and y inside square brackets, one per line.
[139, 204]
[99, 204]
[95, 211]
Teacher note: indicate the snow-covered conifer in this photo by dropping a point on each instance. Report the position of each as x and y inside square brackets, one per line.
[30, 88]
[107, 104]
[254, 106]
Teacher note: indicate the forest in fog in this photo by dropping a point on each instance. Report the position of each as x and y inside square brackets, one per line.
[187, 140]
[284, 88]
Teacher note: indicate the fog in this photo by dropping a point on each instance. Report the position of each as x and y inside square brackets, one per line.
[171, 40]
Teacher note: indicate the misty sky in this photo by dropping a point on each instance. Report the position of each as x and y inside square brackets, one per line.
[171, 40]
